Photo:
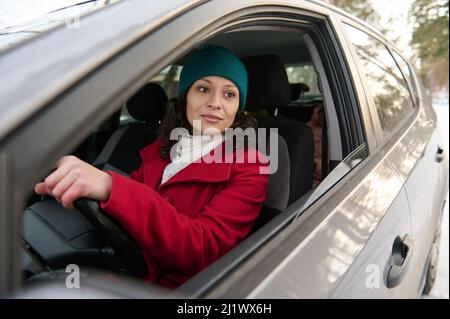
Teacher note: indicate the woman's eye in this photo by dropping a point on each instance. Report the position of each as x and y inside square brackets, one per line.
[203, 89]
[230, 95]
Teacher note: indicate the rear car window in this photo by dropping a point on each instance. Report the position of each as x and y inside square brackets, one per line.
[384, 79]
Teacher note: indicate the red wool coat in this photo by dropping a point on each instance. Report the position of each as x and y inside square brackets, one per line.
[193, 218]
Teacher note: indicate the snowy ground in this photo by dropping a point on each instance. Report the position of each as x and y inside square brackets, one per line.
[441, 287]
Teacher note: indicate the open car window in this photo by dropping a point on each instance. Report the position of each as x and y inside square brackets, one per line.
[319, 115]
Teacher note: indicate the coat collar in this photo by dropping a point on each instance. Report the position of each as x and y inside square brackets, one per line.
[194, 172]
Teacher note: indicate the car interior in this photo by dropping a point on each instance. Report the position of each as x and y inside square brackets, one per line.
[286, 87]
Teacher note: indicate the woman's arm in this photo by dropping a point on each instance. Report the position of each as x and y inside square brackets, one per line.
[177, 241]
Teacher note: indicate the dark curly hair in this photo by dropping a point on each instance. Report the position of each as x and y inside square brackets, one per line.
[175, 117]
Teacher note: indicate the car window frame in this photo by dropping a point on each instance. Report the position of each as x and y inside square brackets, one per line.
[414, 91]
[9, 228]
[202, 283]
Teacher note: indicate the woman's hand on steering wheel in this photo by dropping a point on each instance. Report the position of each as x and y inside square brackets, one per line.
[73, 179]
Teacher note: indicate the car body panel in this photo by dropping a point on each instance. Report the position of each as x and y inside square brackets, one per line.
[323, 259]
[414, 160]
[367, 276]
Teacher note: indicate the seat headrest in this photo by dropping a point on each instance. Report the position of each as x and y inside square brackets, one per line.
[297, 89]
[268, 84]
[149, 103]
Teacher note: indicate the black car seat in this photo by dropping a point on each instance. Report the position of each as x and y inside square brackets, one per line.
[268, 89]
[121, 152]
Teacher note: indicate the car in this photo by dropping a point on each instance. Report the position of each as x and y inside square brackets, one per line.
[353, 211]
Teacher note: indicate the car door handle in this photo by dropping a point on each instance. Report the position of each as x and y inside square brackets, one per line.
[439, 155]
[399, 260]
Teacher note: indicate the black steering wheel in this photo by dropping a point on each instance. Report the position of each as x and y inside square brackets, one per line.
[123, 244]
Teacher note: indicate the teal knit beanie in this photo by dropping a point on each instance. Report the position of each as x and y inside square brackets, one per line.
[213, 60]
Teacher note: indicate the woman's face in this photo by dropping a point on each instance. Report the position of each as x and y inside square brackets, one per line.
[214, 101]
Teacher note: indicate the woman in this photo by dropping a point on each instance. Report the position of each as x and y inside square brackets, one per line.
[182, 211]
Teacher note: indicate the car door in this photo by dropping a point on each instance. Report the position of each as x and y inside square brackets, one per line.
[420, 161]
[416, 161]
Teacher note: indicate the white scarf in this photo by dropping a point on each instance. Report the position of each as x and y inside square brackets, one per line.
[188, 150]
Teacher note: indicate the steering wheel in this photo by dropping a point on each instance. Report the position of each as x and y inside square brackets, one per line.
[123, 244]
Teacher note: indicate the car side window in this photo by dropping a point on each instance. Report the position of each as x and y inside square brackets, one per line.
[389, 88]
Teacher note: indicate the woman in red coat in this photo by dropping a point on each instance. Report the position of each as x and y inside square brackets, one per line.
[183, 206]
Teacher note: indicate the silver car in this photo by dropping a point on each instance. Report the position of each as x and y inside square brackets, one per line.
[354, 210]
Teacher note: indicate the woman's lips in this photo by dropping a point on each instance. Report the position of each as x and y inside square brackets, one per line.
[211, 118]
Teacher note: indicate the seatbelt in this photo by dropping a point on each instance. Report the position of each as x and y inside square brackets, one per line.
[106, 153]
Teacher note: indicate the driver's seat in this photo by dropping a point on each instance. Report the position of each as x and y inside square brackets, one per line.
[121, 152]
[268, 89]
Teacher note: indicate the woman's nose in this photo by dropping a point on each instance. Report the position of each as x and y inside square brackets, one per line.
[214, 101]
